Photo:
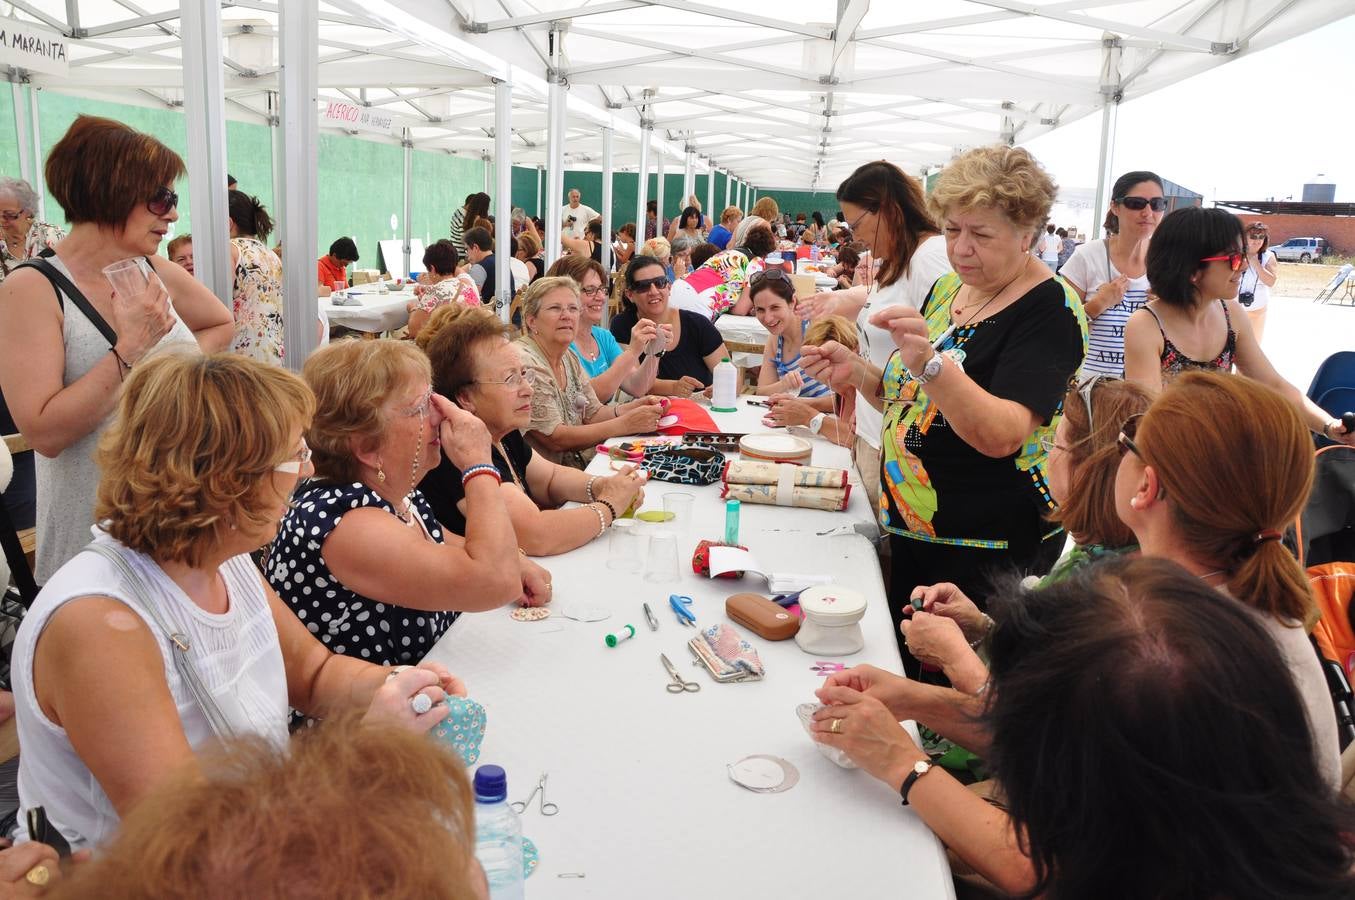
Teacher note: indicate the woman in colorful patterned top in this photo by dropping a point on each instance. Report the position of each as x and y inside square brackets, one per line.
[444, 286]
[24, 236]
[977, 380]
[1195, 323]
[256, 298]
[1111, 275]
[774, 305]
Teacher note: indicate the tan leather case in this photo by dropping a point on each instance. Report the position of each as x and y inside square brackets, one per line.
[761, 616]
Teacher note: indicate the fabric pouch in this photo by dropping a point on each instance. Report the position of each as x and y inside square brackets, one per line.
[684, 465]
[701, 559]
[463, 729]
[726, 655]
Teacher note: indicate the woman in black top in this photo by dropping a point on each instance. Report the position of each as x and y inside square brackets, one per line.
[475, 364]
[687, 366]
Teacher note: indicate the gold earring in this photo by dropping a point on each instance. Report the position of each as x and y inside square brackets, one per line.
[380, 472]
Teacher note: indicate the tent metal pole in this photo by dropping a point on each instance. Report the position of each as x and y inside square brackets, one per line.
[540, 173]
[658, 195]
[729, 182]
[279, 160]
[35, 130]
[16, 91]
[711, 218]
[298, 33]
[408, 146]
[607, 134]
[1111, 95]
[688, 178]
[642, 187]
[503, 195]
[555, 147]
[205, 117]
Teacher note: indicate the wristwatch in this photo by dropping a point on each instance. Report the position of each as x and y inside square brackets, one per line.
[931, 369]
[920, 768]
[816, 423]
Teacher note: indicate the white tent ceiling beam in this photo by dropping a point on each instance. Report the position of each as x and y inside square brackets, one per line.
[688, 52]
[1167, 39]
[558, 15]
[38, 14]
[149, 19]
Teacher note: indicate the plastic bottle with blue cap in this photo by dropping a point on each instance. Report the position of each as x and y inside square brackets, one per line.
[498, 834]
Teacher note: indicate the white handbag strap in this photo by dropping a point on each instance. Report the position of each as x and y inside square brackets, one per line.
[179, 642]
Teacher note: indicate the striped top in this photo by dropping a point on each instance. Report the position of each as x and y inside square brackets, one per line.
[1087, 269]
[811, 388]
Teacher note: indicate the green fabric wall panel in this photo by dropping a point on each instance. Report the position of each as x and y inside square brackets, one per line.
[355, 199]
[249, 157]
[806, 202]
[439, 183]
[524, 189]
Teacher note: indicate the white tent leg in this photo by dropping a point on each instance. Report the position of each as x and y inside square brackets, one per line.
[205, 117]
[729, 183]
[642, 188]
[21, 131]
[503, 195]
[298, 32]
[606, 204]
[35, 129]
[408, 146]
[555, 149]
[658, 195]
[688, 178]
[712, 215]
[1109, 115]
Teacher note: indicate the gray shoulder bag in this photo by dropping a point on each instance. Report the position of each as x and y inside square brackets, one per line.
[221, 727]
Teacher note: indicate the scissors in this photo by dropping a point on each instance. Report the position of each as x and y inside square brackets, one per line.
[677, 685]
[547, 809]
[680, 605]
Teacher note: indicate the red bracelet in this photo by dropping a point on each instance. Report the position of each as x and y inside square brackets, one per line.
[482, 469]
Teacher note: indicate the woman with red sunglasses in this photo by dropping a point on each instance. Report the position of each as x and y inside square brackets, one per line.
[1195, 323]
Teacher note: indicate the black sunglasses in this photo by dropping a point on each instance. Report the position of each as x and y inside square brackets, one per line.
[641, 286]
[1137, 203]
[162, 201]
[767, 275]
[1126, 438]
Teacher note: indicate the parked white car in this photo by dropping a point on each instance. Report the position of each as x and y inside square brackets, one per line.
[1301, 249]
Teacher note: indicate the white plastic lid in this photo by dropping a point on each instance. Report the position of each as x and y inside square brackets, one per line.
[828, 602]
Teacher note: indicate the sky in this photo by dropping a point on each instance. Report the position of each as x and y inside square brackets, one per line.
[1257, 127]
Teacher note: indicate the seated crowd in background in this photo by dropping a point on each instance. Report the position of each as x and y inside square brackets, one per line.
[996, 424]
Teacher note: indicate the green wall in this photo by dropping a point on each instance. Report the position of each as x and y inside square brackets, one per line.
[806, 202]
[360, 180]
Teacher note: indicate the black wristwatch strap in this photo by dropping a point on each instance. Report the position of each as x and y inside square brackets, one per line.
[908, 783]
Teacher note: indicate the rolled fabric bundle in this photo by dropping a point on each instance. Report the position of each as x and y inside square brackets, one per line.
[756, 472]
[790, 495]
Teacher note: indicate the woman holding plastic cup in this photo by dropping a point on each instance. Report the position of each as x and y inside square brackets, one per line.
[70, 336]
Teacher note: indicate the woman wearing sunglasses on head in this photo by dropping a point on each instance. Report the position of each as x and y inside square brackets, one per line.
[695, 347]
[1110, 275]
[1195, 322]
[61, 370]
[1254, 288]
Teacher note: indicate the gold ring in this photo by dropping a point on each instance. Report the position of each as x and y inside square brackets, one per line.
[836, 727]
[38, 875]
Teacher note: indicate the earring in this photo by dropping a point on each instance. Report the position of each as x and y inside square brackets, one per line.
[1133, 502]
[380, 472]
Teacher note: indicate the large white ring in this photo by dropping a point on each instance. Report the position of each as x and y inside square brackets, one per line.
[421, 703]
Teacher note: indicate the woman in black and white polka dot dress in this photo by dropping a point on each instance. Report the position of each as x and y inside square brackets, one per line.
[360, 557]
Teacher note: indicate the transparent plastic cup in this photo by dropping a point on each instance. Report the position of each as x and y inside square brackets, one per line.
[661, 565]
[624, 551]
[128, 277]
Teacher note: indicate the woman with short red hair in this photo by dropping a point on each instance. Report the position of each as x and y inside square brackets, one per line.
[67, 341]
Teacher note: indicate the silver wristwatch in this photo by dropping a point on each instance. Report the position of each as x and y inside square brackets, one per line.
[931, 369]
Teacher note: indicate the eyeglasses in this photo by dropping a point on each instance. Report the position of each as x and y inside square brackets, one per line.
[596, 291]
[1048, 446]
[15, 216]
[421, 408]
[515, 380]
[644, 285]
[1234, 260]
[1084, 390]
[851, 226]
[162, 201]
[556, 309]
[1126, 439]
[297, 462]
[1137, 203]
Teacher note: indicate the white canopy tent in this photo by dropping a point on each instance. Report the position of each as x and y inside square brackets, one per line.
[774, 97]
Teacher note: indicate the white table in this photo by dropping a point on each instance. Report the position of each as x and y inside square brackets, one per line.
[646, 807]
[376, 313]
[743, 330]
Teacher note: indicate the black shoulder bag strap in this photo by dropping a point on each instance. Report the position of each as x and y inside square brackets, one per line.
[64, 285]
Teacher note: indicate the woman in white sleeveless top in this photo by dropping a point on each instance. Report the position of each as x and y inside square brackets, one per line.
[198, 469]
[59, 372]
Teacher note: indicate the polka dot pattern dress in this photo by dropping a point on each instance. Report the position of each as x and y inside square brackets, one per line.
[345, 621]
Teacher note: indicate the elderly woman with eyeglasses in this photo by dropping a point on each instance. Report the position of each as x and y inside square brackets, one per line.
[568, 420]
[475, 364]
[1195, 322]
[361, 558]
[610, 367]
[977, 378]
[695, 346]
[63, 357]
[24, 236]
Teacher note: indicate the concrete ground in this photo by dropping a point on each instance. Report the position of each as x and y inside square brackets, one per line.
[1300, 334]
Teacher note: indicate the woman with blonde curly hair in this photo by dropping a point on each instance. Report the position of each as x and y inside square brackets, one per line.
[976, 380]
[382, 814]
[198, 469]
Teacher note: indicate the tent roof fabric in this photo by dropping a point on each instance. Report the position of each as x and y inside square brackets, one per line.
[780, 95]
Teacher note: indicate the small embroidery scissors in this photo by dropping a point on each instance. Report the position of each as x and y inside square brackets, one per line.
[823, 667]
[547, 809]
[677, 685]
[681, 607]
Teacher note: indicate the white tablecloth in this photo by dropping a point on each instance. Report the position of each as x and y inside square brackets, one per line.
[646, 807]
[377, 313]
[744, 330]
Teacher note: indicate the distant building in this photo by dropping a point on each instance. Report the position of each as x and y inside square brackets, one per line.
[1287, 219]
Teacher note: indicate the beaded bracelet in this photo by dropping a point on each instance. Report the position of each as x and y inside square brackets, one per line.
[602, 521]
[481, 469]
[588, 489]
[611, 509]
[987, 627]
